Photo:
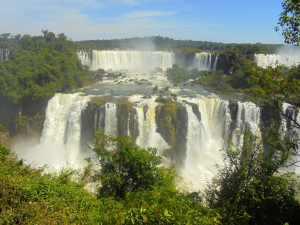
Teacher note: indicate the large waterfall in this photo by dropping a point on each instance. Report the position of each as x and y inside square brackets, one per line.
[130, 60]
[4, 55]
[209, 122]
[142, 60]
[265, 60]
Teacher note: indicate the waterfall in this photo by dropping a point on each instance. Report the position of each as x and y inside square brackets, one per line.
[4, 55]
[289, 130]
[111, 122]
[215, 63]
[209, 123]
[204, 140]
[265, 60]
[148, 137]
[130, 60]
[248, 115]
[60, 140]
[205, 61]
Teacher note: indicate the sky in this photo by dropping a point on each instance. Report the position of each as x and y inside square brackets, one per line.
[231, 21]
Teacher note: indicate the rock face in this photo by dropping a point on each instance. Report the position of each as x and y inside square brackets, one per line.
[270, 114]
[224, 63]
[171, 119]
[126, 114]
[24, 120]
[95, 116]
[233, 107]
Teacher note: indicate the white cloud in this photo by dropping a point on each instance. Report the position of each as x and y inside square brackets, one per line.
[140, 14]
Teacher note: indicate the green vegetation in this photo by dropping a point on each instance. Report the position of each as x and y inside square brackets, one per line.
[249, 188]
[39, 67]
[177, 74]
[31, 196]
[137, 168]
[171, 120]
[126, 117]
[289, 21]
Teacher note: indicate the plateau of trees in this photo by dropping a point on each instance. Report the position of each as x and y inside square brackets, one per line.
[38, 67]
[160, 43]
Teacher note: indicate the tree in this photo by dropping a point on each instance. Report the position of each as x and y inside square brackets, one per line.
[251, 187]
[125, 167]
[276, 86]
[289, 20]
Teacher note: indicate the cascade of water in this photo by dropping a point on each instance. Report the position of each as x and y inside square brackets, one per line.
[215, 63]
[248, 115]
[111, 120]
[4, 55]
[204, 140]
[203, 61]
[128, 125]
[131, 60]
[85, 58]
[265, 60]
[291, 131]
[60, 140]
[148, 137]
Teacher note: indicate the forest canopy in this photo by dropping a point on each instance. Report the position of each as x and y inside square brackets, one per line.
[38, 67]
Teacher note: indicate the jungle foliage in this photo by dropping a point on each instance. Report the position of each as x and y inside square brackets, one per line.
[251, 187]
[151, 196]
[38, 67]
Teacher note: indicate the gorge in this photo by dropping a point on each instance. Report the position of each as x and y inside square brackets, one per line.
[188, 125]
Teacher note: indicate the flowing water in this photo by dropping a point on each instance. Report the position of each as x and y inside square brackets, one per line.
[210, 120]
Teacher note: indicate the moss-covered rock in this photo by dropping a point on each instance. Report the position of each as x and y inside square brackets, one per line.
[171, 119]
[126, 117]
[163, 100]
[91, 120]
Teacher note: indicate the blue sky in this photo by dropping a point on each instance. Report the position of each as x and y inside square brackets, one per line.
[232, 21]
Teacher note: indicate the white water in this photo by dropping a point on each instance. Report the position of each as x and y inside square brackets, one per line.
[148, 137]
[204, 61]
[205, 138]
[111, 121]
[248, 115]
[290, 130]
[60, 140]
[265, 60]
[4, 55]
[130, 60]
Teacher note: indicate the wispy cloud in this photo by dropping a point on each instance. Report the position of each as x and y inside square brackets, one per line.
[141, 14]
[129, 1]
